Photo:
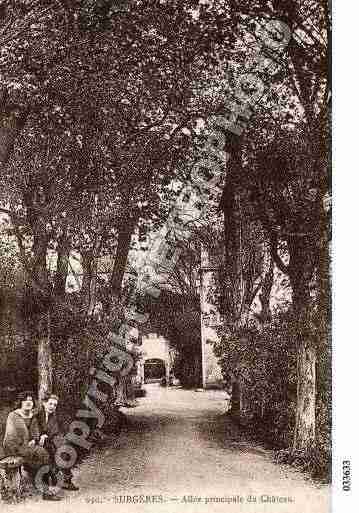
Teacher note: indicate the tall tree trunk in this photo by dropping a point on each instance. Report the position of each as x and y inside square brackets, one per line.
[304, 435]
[266, 289]
[234, 267]
[57, 338]
[41, 293]
[44, 355]
[236, 397]
[87, 262]
[124, 234]
[301, 273]
[62, 268]
[242, 254]
[231, 206]
[11, 124]
[234, 280]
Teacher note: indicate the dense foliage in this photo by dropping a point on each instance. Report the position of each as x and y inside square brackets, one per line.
[102, 107]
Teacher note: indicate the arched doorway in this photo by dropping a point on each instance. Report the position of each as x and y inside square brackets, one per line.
[154, 370]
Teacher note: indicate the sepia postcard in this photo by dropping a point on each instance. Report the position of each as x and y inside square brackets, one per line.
[165, 257]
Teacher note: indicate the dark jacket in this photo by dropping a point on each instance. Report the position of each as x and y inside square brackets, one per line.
[52, 427]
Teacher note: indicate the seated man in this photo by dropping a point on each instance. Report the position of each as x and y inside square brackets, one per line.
[49, 429]
[21, 438]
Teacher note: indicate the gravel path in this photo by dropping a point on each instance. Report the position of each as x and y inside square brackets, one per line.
[179, 453]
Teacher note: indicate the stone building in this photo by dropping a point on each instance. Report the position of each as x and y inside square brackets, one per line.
[157, 358]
